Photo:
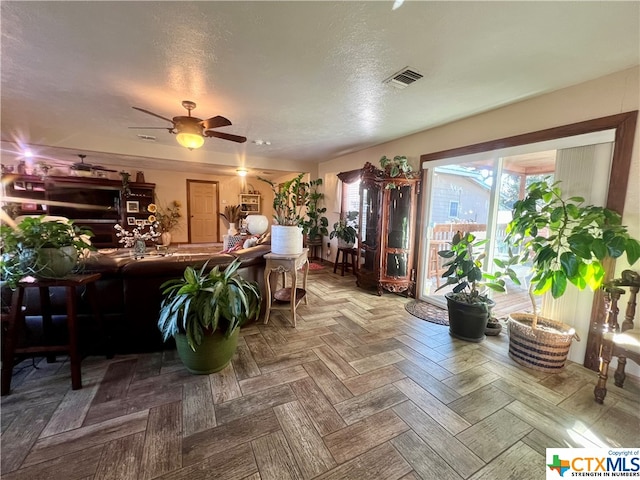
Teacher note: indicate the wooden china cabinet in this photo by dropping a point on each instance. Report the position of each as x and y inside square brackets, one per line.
[386, 237]
[95, 203]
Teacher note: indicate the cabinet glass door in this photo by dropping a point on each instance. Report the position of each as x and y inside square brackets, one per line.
[369, 215]
[399, 218]
[399, 232]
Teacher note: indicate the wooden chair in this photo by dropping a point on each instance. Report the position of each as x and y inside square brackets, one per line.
[618, 341]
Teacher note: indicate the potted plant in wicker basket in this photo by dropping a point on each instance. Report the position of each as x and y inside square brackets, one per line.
[563, 241]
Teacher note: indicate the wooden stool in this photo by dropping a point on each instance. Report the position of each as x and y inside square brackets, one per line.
[15, 319]
[352, 253]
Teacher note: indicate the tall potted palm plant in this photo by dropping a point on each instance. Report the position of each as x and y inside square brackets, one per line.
[563, 242]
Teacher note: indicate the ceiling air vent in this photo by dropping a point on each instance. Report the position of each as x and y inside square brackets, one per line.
[403, 78]
[151, 138]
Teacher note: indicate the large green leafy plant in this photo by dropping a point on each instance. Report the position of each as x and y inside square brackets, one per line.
[565, 240]
[23, 244]
[288, 200]
[202, 302]
[315, 225]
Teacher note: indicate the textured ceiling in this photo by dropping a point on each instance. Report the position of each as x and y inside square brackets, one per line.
[306, 76]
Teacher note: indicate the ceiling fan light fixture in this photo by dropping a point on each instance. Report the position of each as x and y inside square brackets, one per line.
[242, 172]
[190, 140]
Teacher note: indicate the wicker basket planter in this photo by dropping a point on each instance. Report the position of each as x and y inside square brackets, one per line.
[544, 348]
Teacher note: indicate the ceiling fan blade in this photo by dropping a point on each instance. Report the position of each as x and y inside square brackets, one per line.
[102, 169]
[215, 122]
[154, 114]
[225, 136]
[153, 128]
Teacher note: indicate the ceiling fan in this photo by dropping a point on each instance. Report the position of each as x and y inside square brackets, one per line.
[86, 169]
[190, 131]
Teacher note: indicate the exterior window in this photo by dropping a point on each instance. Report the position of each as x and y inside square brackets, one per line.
[350, 198]
[453, 208]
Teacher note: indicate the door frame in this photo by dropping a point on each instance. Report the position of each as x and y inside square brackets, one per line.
[624, 125]
[212, 182]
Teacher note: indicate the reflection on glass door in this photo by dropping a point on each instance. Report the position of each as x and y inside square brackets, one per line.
[459, 201]
[462, 198]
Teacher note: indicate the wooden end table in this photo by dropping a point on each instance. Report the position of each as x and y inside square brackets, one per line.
[15, 318]
[286, 298]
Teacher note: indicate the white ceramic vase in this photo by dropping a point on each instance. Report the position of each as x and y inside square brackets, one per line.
[257, 224]
[232, 229]
[286, 240]
[165, 239]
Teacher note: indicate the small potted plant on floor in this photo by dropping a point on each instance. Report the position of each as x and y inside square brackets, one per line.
[469, 307]
[204, 311]
[563, 241]
[345, 230]
[289, 199]
[41, 248]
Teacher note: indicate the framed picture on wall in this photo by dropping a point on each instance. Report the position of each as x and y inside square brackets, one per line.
[131, 220]
[133, 207]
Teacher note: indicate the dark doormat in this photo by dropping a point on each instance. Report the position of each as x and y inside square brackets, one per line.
[428, 312]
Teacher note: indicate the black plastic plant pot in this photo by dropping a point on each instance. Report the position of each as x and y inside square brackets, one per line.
[468, 321]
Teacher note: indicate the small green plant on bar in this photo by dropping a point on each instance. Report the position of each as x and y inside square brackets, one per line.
[25, 247]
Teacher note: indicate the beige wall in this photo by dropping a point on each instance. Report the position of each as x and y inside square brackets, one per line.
[604, 96]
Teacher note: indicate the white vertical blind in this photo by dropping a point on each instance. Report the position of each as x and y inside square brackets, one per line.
[584, 171]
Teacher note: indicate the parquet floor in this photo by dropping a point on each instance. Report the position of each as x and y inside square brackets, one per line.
[360, 390]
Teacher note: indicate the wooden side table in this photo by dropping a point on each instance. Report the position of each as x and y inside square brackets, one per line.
[286, 298]
[15, 319]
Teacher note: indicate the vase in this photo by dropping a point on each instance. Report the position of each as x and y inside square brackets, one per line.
[257, 224]
[139, 249]
[344, 244]
[286, 240]
[232, 229]
[165, 238]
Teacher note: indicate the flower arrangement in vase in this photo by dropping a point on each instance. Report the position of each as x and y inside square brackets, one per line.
[137, 238]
